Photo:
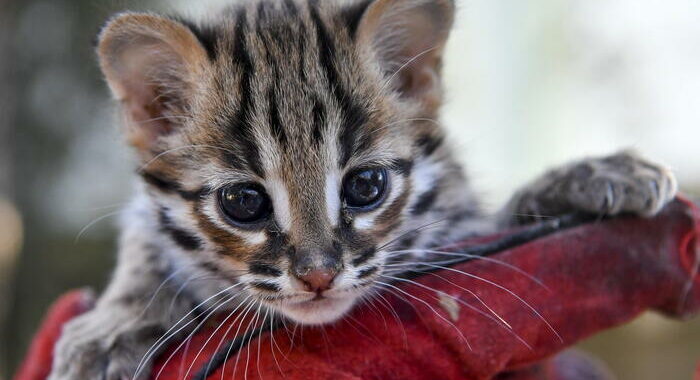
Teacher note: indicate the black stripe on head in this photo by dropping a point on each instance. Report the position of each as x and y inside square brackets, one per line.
[170, 186]
[184, 239]
[318, 114]
[326, 49]
[166, 186]
[425, 201]
[429, 143]
[207, 36]
[354, 116]
[401, 166]
[469, 213]
[240, 129]
[275, 122]
[266, 286]
[353, 15]
[301, 49]
[291, 8]
[264, 269]
[265, 10]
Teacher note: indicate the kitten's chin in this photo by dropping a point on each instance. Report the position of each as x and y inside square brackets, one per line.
[317, 312]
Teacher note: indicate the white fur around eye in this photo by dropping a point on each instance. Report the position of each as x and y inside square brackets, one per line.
[254, 238]
[423, 176]
[365, 221]
[333, 197]
[280, 203]
[210, 209]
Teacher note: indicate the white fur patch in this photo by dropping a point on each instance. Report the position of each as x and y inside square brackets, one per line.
[317, 312]
[333, 197]
[254, 238]
[423, 176]
[280, 202]
[366, 221]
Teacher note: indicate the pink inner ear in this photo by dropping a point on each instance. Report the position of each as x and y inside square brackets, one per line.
[419, 78]
[408, 37]
[145, 109]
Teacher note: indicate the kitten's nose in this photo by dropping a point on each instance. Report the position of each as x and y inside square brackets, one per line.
[318, 280]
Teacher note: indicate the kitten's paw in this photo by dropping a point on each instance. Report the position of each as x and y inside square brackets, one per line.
[621, 183]
[101, 346]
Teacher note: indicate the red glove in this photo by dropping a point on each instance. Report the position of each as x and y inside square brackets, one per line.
[595, 277]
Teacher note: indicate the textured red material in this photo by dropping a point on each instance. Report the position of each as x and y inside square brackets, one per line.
[593, 277]
[38, 361]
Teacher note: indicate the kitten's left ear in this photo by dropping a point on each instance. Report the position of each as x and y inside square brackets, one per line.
[407, 37]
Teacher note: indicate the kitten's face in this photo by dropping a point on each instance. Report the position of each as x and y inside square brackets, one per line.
[282, 151]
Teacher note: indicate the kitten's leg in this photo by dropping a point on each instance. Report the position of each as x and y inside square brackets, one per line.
[108, 342]
[621, 183]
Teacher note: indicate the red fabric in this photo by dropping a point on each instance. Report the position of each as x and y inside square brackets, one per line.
[595, 277]
[37, 363]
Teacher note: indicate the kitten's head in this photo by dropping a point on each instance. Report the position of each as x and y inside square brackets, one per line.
[288, 145]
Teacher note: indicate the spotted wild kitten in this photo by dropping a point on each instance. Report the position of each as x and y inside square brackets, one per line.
[289, 151]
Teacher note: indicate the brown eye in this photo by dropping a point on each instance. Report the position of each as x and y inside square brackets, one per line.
[245, 203]
[364, 189]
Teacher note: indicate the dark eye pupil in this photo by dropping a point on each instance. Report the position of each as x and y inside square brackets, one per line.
[364, 187]
[245, 203]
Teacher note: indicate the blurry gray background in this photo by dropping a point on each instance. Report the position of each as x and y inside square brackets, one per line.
[530, 84]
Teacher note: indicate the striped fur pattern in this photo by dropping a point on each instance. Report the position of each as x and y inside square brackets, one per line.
[292, 96]
[288, 97]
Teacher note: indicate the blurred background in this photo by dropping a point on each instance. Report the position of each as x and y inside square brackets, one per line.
[530, 84]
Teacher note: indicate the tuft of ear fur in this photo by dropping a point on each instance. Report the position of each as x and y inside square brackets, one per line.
[407, 37]
[153, 66]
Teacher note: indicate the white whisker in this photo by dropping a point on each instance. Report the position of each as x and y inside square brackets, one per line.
[160, 287]
[193, 332]
[211, 336]
[476, 257]
[498, 319]
[93, 222]
[239, 353]
[240, 318]
[169, 334]
[406, 64]
[253, 323]
[259, 343]
[537, 313]
[432, 309]
[390, 308]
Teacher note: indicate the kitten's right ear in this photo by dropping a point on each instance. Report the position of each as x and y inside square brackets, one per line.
[407, 38]
[153, 65]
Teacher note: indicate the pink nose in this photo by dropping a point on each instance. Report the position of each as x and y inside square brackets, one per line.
[318, 280]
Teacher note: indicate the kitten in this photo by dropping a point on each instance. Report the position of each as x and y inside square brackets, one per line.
[289, 151]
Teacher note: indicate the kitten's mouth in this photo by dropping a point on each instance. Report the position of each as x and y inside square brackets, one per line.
[318, 297]
[317, 310]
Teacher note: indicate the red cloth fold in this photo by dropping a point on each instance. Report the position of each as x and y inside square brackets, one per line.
[482, 319]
